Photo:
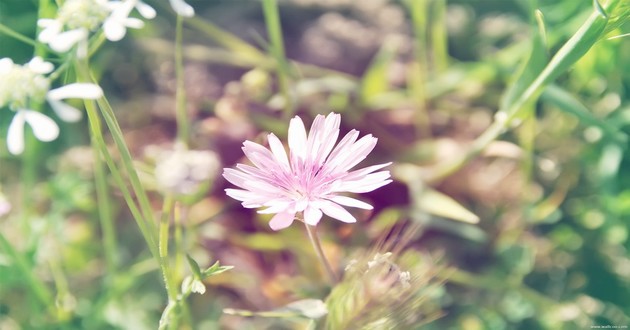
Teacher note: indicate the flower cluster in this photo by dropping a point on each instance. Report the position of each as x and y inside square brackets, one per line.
[186, 172]
[309, 181]
[24, 85]
[76, 19]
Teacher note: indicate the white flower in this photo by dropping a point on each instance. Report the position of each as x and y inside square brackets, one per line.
[184, 172]
[77, 18]
[182, 8]
[20, 85]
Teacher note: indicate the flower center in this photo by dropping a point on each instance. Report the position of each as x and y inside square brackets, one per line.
[87, 14]
[21, 85]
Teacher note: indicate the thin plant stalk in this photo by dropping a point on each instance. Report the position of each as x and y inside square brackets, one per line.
[104, 210]
[314, 238]
[274, 29]
[34, 284]
[578, 45]
[183, 130]
[419, 71]
[167, 209]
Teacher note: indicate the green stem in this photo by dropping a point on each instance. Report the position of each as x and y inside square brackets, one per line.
[127, 162]
[95, 130]
[104, 210]
[567, 55]
[167, 209]
[312, 235]
[183, 130]
[18, 36]
[38, 288]
[418, 75]
[274, 29]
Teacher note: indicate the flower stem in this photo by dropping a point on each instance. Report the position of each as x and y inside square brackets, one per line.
[312, 235]
[183, 129]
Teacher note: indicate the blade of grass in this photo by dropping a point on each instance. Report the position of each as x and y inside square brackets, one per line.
[276, 48]
[586, 36]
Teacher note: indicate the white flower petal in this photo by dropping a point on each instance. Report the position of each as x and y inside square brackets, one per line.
[15, 136]
[182, 8]
[281, 220]
[50, 29]
[145, 10]
[114, 30]
[77, 90]
[6, 64]
[38, 65]
[297, 138]
[44, 128]
[347, 201]
[278, 151]
[134, 23]
[65, 40]
[335, 211]
[65, 111]
[312, 215]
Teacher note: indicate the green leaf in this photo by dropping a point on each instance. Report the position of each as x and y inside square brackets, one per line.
[436, 203]
[531, 67]
[194, 266]
[568, 103]
[215, 269]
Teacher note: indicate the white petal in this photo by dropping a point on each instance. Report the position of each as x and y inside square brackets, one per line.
[15, 136]
[134, 23]
[335, 211]
[347, 201]
[297, 138]
[145, 10]
[38, 65]
[76, 90]
[182, 8]
[65, 111]
[6, 64]
[114, 30]
[44, 128]
[51, 28]
[66, 40]
[312, 215]
[278, 150]
[281, 220]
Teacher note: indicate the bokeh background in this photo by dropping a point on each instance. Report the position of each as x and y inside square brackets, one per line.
[530, 234]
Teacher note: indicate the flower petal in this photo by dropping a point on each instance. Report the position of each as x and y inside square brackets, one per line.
[65, 40]
[15, 135]
[114, 30]
[51, 29]
[182, 8]
[278, 151]
[312, 215]
[297, 139]
[38, 65]
[335, 211]
[348, 201]
[134, 23]
[145, 10]
[44, 128]
[77, 90]
[281, 220]
[65, 111]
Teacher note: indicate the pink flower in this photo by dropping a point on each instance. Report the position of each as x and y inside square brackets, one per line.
[309, 181]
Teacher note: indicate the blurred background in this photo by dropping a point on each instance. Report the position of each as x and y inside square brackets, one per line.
[532, 233]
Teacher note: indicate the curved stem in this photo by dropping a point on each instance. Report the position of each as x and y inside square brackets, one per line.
[312, 235]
